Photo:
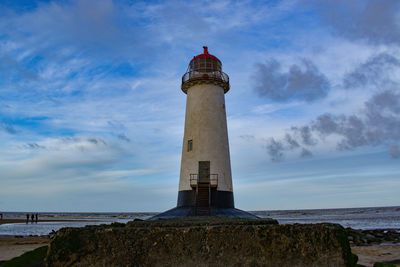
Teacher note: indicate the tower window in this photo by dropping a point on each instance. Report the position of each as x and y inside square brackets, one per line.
[190, 145]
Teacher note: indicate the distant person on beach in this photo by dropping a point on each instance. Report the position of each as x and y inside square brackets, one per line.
[36, 215]
[27, 218]
[1, 216]
[33, 217]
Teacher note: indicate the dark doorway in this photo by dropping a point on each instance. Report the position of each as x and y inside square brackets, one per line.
[204, 171]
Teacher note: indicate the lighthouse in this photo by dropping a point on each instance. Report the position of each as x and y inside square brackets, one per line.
[205, 182]
[205, 177]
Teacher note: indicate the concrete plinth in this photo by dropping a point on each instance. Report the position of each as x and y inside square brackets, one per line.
[181, 212]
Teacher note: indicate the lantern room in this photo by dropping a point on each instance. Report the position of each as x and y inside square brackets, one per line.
[205, 62]
[205, 68]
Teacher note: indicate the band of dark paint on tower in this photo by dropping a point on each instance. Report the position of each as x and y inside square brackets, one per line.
[219, 199]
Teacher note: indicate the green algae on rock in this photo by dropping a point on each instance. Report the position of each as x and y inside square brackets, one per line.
[202, 241]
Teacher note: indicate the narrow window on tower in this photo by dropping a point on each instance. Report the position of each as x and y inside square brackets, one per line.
[190, 145]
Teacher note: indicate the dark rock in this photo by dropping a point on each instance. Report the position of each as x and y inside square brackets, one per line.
[386, 264]
[368, 237]
[117, 224]
[379, 235]
[205, 241]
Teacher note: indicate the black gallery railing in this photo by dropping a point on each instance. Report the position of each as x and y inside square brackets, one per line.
[205, 75]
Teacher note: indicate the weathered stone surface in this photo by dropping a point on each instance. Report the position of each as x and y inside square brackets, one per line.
[375, 236]
[201, 242]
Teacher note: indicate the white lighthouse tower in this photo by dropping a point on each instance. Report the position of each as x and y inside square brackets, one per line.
[205, 184]
[205, 178]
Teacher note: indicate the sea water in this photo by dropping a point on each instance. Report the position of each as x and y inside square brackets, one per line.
[356, 218]
[75, 220]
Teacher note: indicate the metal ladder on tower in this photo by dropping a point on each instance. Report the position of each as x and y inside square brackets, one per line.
[203, 199]
[203, 193]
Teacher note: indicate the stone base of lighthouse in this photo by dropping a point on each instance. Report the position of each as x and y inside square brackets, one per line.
[180, 212]
[222, 204]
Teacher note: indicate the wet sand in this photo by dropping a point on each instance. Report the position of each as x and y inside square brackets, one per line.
[368, 255]
[4, 221]
[13, 246]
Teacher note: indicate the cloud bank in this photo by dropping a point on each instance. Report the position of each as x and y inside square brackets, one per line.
[378, 71]
[303, 82]
[376, 22]
[377, 79]
[377, 124]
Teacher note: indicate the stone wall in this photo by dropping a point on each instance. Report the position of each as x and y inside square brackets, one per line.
[201, 242]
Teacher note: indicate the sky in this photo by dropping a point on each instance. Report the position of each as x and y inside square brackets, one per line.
[92, 114]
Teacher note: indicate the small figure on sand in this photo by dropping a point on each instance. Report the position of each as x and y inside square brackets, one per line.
[36, 217]
[1, 216]
[32, 217]
[27, 218]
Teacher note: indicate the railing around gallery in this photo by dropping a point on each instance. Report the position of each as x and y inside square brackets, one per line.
[205, 75]
[194, 179]
[209, 76]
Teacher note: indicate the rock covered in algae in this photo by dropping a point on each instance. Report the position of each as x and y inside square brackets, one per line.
[201, 242]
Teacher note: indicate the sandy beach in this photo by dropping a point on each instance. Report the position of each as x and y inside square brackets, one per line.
[13, 246]
[368, 255]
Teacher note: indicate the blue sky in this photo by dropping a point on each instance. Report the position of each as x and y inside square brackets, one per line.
[92, 115]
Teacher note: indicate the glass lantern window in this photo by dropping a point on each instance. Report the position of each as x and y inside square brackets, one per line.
[205, 65]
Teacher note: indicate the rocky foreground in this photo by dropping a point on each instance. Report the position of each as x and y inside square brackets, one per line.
[373, 237]
[378, 247]
[202, 242]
